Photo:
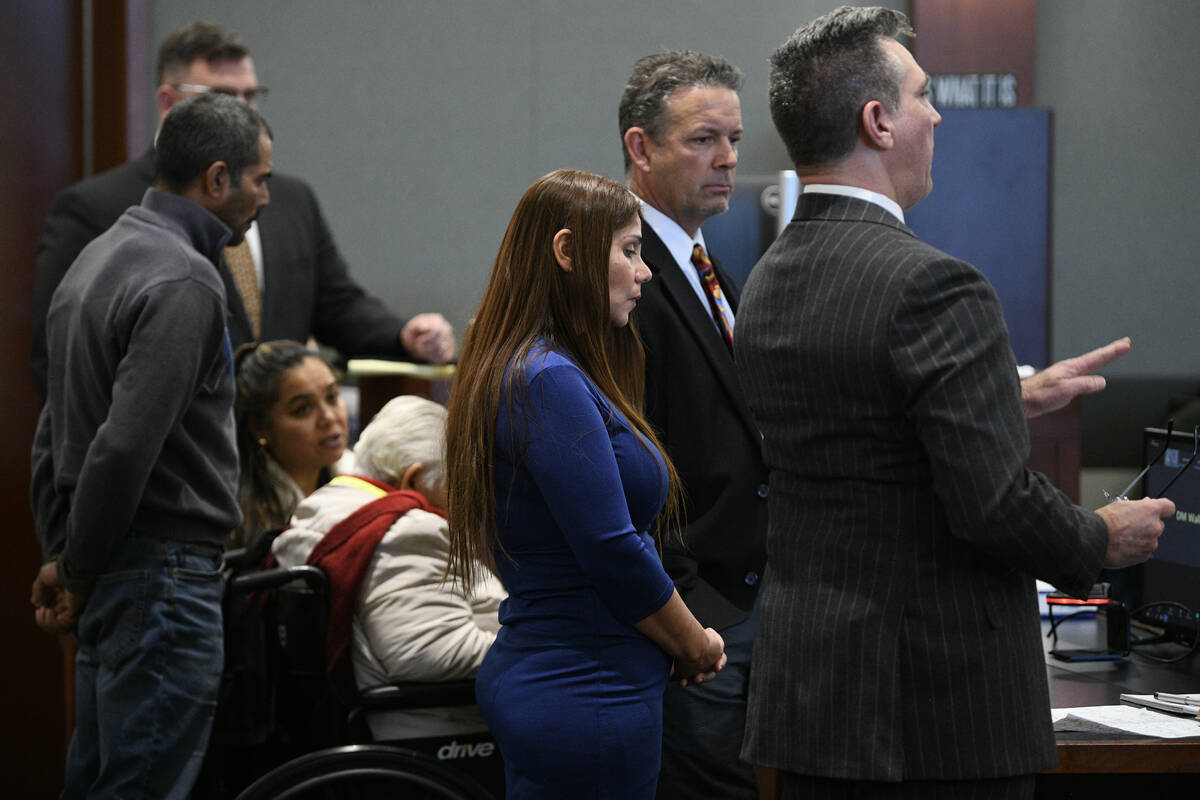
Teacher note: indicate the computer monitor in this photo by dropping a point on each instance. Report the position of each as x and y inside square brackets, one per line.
[1173, 572]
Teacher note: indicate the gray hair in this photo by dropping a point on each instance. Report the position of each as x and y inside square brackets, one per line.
[406, 431]
[202, 130]
[824, 74]
[656, 77]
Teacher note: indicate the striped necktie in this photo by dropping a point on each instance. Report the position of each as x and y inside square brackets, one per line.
[716, 300]
[245, 278]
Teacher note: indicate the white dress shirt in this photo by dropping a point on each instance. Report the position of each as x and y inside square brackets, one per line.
[680, 245]
[887, 203]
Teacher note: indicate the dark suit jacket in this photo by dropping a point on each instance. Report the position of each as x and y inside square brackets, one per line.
[898, 635]
[309, 290]
[694, 400]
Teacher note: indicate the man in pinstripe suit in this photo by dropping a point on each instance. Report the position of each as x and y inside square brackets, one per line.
[898, 652]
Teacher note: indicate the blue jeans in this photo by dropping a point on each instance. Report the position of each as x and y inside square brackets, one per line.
[147, 672]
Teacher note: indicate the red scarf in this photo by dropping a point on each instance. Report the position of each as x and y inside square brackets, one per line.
[345, 553]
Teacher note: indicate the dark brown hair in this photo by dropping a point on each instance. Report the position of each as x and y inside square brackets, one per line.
[259, 368]
[531, 299]
[647, 95]
[824, 74]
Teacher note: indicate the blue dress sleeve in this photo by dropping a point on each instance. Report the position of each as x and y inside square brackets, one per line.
[591, 470]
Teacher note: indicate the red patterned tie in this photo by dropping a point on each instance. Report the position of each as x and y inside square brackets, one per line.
[716, 300]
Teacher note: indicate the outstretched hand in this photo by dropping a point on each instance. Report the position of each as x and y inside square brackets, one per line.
[1061, 382]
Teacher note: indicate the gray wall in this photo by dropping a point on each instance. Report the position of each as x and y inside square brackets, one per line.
[1121, 78]
[420, 124]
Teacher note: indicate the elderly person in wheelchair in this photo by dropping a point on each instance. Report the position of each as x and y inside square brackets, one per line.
[381, 537]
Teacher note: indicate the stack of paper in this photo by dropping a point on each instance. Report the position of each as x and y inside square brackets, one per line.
[1185, 705]
[1125, 719]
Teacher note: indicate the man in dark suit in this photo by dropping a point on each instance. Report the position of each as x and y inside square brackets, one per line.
[680, 123]
[898, 649]
[287, 281]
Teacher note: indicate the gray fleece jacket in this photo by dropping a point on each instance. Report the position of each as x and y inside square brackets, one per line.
[137, 434]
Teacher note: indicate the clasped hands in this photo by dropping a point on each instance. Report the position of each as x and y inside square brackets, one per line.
[706, 667]
[56, 609]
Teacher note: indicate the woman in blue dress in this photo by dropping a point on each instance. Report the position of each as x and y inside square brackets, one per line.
[556, 480]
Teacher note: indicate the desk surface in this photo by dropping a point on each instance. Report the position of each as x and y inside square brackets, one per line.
[1100, 683]
[374, 367]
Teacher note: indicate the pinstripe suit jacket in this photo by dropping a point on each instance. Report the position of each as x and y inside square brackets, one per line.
[899, 634]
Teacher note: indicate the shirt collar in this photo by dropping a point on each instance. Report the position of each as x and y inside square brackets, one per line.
[857, 191]
[677, 242]
[680, 245]
[203, 229]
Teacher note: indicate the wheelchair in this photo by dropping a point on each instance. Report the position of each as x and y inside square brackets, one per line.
[363, 771]
[284, 728]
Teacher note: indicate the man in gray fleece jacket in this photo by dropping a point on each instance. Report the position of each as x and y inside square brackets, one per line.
[135, 462]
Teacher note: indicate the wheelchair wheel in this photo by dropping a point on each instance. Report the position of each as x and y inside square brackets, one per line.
[364, 771]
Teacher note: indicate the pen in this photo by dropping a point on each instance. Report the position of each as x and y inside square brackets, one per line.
[1184, 699]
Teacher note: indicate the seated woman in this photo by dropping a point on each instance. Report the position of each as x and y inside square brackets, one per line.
[409, 623]
[291, 428]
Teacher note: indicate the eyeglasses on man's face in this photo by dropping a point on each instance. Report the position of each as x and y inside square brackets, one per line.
[251, 96]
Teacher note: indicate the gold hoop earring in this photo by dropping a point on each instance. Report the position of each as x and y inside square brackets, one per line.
[262, 442]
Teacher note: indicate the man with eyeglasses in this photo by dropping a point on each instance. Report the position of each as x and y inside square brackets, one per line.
[288, 281]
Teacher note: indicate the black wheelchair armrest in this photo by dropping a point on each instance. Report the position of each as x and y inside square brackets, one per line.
[313, 577]
[237, 560]
[409, 695]
[251, 556]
